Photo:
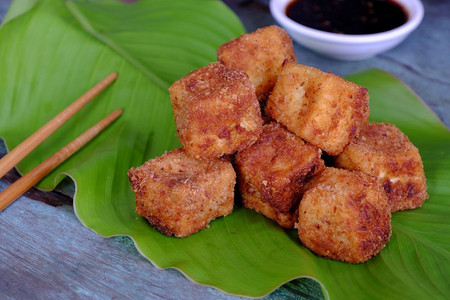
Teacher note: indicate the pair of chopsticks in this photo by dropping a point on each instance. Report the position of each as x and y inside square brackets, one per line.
[16, 189]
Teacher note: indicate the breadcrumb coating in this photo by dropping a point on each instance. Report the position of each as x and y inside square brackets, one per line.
[344, 215]
[180, 195]
[323, 109]
[216, 111]
[273, 172]
[258, 117]
[261, 55]
[385, 152]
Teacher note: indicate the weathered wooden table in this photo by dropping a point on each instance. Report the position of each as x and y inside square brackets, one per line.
[45, 252]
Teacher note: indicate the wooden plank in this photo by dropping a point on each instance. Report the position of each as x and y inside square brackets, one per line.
[46, 253]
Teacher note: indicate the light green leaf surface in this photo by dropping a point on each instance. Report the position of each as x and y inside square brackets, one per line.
[18, 8]
[53, 51]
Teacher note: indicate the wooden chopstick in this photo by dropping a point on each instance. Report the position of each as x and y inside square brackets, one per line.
[23, 184]
[11, 159]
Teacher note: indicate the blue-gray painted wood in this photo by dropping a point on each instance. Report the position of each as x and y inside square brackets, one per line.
[46, 253]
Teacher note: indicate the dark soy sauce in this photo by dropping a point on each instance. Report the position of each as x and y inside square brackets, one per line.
[348, 16]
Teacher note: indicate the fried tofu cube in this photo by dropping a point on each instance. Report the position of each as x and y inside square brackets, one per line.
[273, 172]
[216, 111]
[344, 215]
[180, 195]
[323, 109]
[383, 151]
[261, 55]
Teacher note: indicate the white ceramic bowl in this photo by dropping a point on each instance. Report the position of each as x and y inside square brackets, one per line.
[345, 46]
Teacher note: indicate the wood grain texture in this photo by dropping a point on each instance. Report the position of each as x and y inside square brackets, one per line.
[53, 198]
[45, 252]
[16, 155]
[17, 188]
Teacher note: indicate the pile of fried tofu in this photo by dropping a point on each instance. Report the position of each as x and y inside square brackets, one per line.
[258, 122]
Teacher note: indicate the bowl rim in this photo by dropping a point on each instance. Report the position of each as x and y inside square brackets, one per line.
[277, 8]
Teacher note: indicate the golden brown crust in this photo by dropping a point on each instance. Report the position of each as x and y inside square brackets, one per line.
[180, 195]
[252, 200]
[261, 55]
[216, 111]
[345, 216]
[324, 109]
[272, 173]
[383, 151]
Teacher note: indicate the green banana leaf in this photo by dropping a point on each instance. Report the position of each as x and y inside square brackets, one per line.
[53, 51]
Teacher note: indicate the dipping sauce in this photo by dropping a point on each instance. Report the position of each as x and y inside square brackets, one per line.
[348, 16]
